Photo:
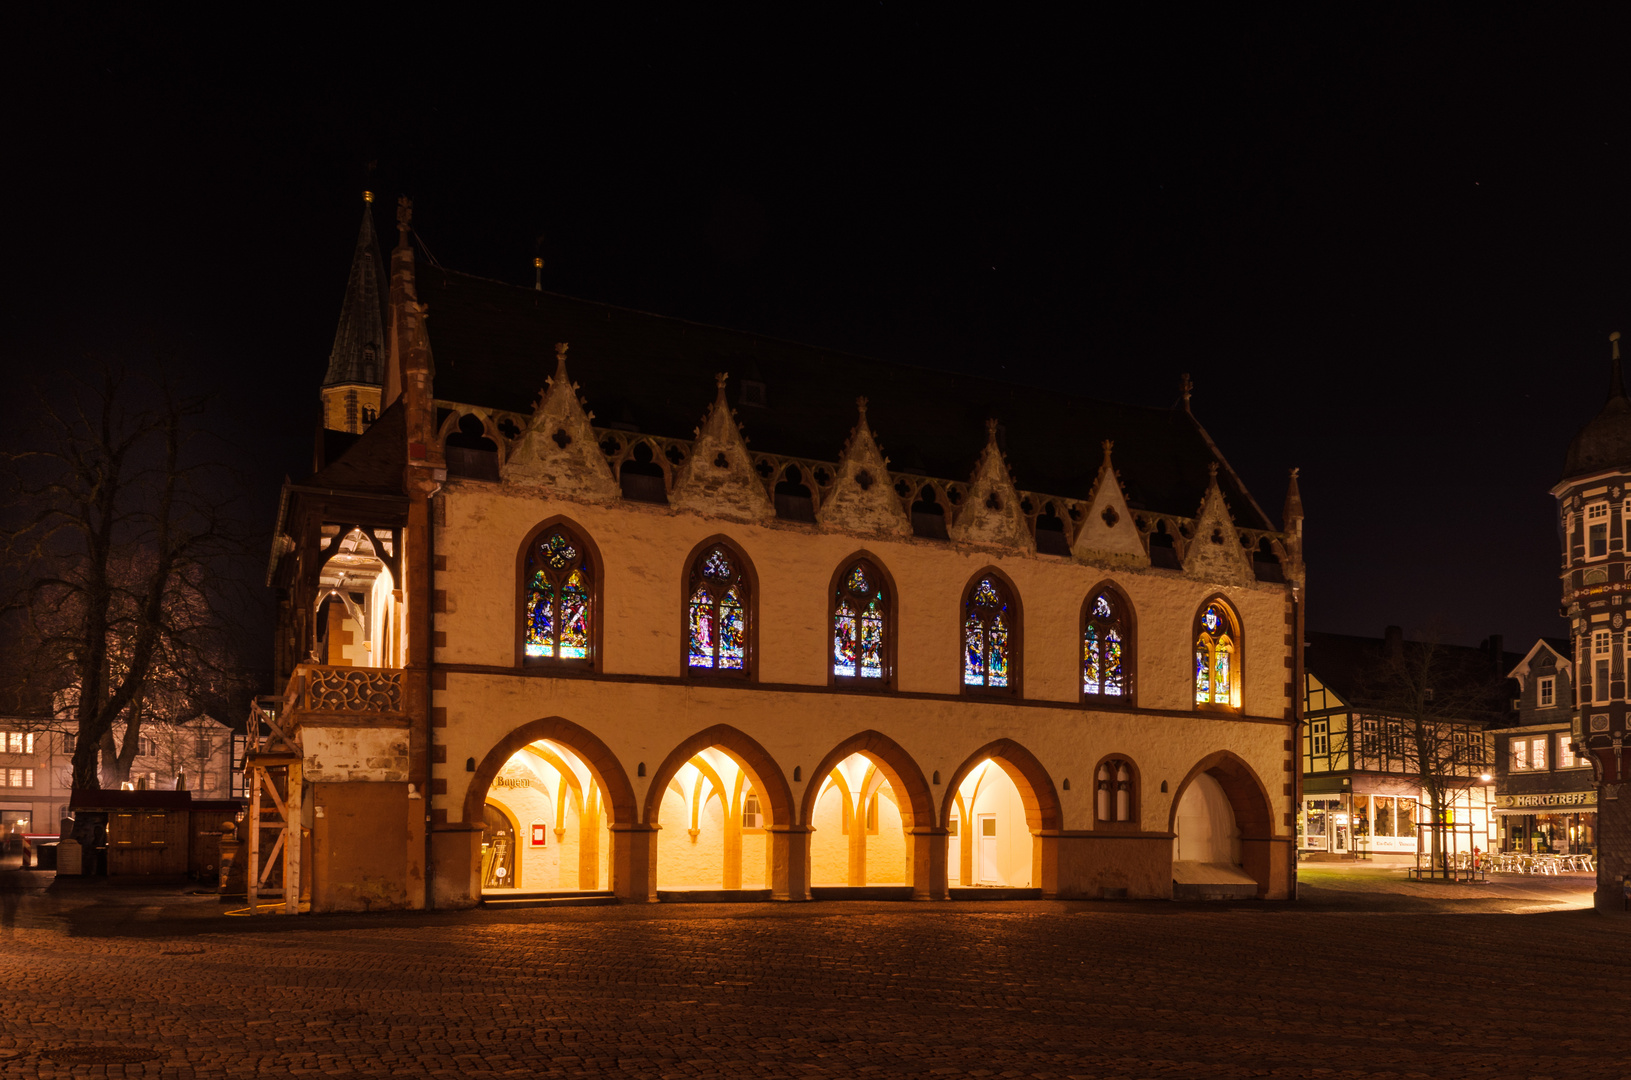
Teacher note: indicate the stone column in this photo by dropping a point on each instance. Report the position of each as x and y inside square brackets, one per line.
[789, 862]
[926, 862]
[634, 862]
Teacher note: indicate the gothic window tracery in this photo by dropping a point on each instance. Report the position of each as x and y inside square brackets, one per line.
[718, 610]
[990, 632]
[1107, 645]
[560, 592]
[860, 626]
[1217, 657]
[1115, 797]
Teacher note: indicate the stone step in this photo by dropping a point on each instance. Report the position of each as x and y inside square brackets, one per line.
[713, 896]
[561, 898]
[860, 892]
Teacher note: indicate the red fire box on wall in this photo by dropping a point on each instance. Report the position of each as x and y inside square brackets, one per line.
[538, 834]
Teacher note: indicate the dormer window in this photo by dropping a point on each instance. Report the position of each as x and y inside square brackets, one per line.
[1597, 531]
[1546, 692]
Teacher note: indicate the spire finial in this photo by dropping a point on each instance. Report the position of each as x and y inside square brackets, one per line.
[1616, 383]
[1108, 444]
[1212, 471]
[538, 273]
[720, 378]
[860, 406]
[560, 358]
[1294, 502]
[1185, 388]
[404, 218]
[991, 428]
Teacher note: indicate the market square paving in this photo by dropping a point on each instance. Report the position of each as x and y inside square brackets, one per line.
[1367, 975]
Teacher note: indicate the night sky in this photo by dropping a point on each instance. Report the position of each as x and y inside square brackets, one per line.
[1389, 250]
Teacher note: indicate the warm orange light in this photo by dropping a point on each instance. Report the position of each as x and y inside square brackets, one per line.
[368, 196]
[538, 264]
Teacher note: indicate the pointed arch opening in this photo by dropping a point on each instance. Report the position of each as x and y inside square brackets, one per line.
[1222, 817]
[997, 801]
[719, 606]
[992, 629]
[563, 791]
[558, 598]
[1109, 647]
[714, 801]
[866, 803]
[1217, 656]
[862, 620]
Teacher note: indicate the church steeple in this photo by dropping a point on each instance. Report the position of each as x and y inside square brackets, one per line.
[356, 364]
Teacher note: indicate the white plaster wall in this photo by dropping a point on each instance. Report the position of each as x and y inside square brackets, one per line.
[829, 847]
[1206, 830]
[684, 863]
[354, 753]
[988, 790]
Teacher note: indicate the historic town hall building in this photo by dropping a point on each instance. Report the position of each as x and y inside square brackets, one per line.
[550, 621]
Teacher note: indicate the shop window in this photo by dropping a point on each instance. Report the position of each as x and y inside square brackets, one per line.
[718, 613]
[990, 635]
[1114, 798]
[860, 626]
[1217, 657]
[560, 599]
[1597, 531]
[1107, 646]
[1546, 692]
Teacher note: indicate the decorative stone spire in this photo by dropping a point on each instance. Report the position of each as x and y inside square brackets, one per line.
[558, 452]
[717, 479]
[1185, 388]
[1214, 552]
[1604, 444]
[358, 355]
[990, 512]
[1108, 536]
[1292, 522]
[862, 499]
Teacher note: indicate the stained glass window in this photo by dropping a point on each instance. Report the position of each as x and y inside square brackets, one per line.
[987, 636]
[560, 599]
[1216, 675]
[717, 616]
[860, 625]
[1106, 636]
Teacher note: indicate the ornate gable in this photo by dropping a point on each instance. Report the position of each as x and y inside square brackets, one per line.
[558, 450]
[861, 499]
[990, 513]
[1214, 552]
[717, 479]
[1108, 536]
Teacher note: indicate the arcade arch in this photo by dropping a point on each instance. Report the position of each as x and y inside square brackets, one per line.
[996, 803]
[1221, 816]
[871, 817]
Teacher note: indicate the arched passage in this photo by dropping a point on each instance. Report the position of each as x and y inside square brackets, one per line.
[866, 779]
[1221, 810]
[572, 804]
[1011, 807]
[719, 802]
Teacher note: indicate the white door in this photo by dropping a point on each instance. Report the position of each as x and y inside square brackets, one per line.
[988, 849]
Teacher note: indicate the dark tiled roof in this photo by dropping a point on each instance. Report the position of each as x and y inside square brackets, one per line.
[372, 462]
[1348, 664]
[494, 344]
[358, 355]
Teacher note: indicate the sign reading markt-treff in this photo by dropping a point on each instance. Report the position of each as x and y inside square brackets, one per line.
[1547, 800]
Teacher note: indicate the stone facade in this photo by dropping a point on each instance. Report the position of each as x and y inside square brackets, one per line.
[619, 760]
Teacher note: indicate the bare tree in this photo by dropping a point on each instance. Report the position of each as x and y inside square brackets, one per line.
[120, 545]
[1424, 710]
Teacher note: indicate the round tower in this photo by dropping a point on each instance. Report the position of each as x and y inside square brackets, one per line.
[1594, 516]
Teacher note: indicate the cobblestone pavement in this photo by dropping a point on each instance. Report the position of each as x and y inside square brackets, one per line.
[1367, 976]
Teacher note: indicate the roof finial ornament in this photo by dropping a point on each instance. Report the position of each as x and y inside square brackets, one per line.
[560, 359]
[720, 378]
[991, 429]
[1108, 444]
[538, 273]
[1212, 471]
[860, 406]
[1185, 388]
[1616, 383]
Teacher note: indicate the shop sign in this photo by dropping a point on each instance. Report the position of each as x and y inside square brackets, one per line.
[1547, 800]
[511, 782]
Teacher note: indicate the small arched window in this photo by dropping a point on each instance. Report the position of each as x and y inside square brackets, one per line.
[1116, 797]
[989, 635]
[1107, 646]
[717, 613]
[1217, 657]
[559, 599]
[860, 626]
